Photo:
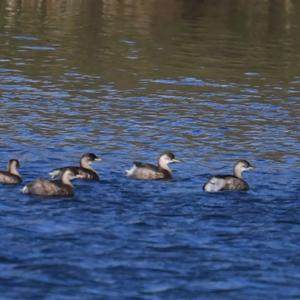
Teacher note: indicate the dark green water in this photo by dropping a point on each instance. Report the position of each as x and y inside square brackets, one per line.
[212, 81]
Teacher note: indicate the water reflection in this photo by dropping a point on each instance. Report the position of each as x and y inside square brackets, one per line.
[104, 31]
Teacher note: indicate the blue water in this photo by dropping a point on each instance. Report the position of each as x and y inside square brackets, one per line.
[126, 97]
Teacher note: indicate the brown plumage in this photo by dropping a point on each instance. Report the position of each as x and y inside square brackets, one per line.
[232, 183]
[84, 170]
[11, 176]
[152, 172]
[44, 187]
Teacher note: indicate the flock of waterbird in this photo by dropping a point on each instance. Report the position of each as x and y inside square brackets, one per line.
[60, 182]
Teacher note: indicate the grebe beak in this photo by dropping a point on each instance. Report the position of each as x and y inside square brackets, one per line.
[250, 168]
[98, 159]
[176, 161]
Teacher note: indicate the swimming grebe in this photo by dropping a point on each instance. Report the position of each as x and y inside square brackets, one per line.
[11, 176]
[149, 171]
[234, 182]
[85, 169]
[44, 187]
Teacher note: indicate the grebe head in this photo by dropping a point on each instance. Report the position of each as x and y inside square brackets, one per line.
[13, 163]
[241, 166]
[167, 158]
[88, 158]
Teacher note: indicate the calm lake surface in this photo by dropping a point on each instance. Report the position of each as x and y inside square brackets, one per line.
[211, 81]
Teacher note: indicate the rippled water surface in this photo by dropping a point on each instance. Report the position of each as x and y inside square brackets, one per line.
[211, 81]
